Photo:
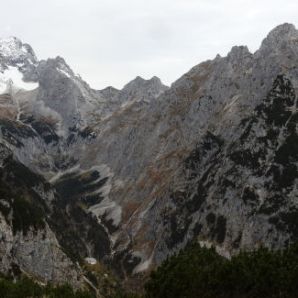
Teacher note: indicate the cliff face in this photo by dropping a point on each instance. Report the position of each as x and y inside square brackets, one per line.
[137, 173]
[213, 168]
[27, 243]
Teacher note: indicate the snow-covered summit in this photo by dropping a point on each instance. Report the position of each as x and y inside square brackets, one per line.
[17, 66]
[12, 49]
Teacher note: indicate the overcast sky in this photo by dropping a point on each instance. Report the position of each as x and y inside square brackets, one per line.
[110, 42]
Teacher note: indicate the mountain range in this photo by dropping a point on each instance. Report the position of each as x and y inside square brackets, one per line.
[128, 177]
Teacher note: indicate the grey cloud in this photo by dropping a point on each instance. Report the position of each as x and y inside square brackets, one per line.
[109, 42]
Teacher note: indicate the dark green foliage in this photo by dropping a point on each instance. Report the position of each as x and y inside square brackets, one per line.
[5, 195]
[73, 185]
[197, 229]
[26, 211]
[188, 274]
[210, 218]
[274, 109]
[46, 131]
[289, 150]
[201, 272]
[77, 229]
[177, 231]
[272, 205]
[124, 263]
[283, 176]
[26, 214]
[249, 196]
[25, 288]
[122, 294]
[187, 201]
[210, 145]
[218, 231]
[13, 131]
[246, 158]
[130, 262]
[19, 174]
[290, 219]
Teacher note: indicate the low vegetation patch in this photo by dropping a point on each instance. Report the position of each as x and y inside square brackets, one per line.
[27, 288]
[201, 272]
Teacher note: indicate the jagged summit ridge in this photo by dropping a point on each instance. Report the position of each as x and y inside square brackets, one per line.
[12, 48]
[281, 38]
[139, 82]
[141, 89]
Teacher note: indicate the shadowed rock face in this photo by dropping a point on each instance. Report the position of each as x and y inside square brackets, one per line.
[142, 171]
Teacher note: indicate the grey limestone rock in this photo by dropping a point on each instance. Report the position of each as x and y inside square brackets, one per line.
[212, 158]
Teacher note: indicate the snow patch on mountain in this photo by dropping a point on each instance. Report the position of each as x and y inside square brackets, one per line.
[143, 266]
[110, 209]
[11, 80]
[64, 72]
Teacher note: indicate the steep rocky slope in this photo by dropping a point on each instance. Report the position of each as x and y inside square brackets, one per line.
[141, 171]
[28, 244]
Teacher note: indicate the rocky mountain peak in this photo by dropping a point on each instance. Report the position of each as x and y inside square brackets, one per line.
[280, 39]
[110, 93]
[282, 32]
[13, 50]
[238, 52]
[156, 80]
[141, 82]
[140, 88]
[57, 64]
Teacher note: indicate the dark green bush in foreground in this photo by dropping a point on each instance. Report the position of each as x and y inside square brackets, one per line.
[26, 288]
[201, 272]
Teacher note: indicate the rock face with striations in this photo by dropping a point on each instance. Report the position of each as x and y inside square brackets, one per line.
[27, 243]
[140, 172]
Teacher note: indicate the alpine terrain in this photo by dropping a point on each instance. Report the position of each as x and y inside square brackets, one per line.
[125, 178]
